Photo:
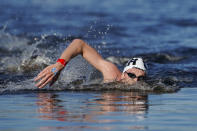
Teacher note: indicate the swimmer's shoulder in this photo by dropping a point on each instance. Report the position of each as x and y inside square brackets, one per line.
[110, 72]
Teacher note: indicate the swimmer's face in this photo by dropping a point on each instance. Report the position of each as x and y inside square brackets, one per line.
[133, 75]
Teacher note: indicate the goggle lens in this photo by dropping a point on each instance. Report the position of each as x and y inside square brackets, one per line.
[131, 75]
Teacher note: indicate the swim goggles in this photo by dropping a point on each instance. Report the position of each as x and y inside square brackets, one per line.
[133, 76]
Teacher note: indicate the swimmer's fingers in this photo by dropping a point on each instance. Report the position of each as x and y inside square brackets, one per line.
[47, 75]
[42, 74]
[46, 82]
[44, 79]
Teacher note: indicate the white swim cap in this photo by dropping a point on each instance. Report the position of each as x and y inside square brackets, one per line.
[135, 63]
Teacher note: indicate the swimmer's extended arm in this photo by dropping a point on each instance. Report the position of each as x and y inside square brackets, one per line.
[90, 54]
[80, 47]
[108, 69]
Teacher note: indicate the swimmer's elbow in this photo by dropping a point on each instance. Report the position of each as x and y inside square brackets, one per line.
[78, 44]
[78, 41]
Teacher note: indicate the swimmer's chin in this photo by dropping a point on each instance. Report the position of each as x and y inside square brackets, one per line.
[128, 82]
[109, 81]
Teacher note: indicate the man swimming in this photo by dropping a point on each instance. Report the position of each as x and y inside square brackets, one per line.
[134, 71]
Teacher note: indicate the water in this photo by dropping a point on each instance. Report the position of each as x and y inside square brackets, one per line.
[33, 34]
[109, 110]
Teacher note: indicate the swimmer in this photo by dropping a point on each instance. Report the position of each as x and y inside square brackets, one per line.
[134, 70]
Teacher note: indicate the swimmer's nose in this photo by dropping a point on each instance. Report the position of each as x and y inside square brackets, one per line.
[135, 79]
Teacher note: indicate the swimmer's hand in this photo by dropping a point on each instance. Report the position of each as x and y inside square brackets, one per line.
[49, 75]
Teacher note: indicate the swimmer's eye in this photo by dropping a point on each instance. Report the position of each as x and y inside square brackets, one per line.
[140, 78]
[131, 75]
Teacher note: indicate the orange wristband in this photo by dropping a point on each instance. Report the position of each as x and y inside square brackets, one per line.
[62, 61]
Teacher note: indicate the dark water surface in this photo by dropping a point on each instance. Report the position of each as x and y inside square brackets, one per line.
[33, 33]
